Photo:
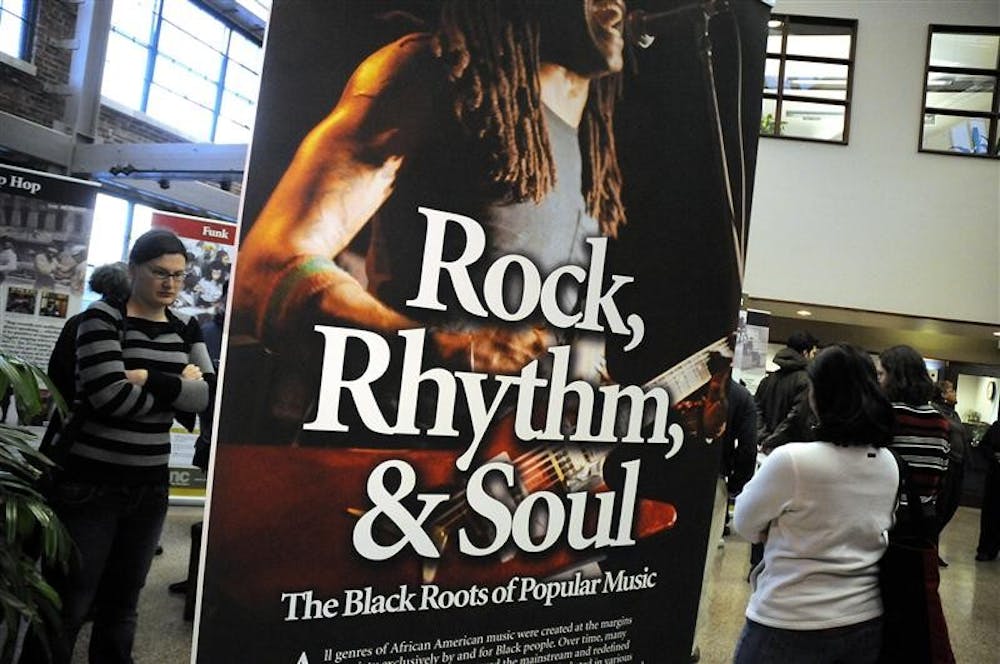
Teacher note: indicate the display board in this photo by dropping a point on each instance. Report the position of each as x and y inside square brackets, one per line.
[210, 254]
[44, 234]
[480, 334]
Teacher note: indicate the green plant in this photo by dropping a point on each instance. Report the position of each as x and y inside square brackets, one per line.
[768, 125]
[33, 537]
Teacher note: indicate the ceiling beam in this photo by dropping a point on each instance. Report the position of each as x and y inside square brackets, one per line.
[35, 140]
[191, 161]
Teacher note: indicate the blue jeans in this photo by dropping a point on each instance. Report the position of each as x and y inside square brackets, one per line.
[852, 644]
[116, 529]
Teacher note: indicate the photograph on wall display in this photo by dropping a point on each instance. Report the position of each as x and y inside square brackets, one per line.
[479, 335]
[45, 224]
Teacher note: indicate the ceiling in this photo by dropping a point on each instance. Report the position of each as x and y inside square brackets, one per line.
[953, 341]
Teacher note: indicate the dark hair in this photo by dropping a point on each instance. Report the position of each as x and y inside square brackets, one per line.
[802, 341]
[906, 377]
[492, 53]
[851, 408]
[153, 244]
[111, 281]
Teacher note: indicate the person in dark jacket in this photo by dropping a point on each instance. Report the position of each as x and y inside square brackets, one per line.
[109, 281]
[951, 495]
[989, 516]
[783, 396]
[739, 442]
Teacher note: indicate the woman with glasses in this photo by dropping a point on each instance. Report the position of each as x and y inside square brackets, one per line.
[138, 365]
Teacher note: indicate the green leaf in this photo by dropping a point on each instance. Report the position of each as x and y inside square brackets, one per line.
[57, 397]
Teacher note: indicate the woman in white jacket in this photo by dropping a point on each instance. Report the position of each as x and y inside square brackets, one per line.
[823, 510]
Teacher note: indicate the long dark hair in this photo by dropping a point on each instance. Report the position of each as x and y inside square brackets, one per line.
[906, 377]
[491, 48]
[851, 408]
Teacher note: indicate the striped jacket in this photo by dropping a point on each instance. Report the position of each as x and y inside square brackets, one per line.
[920, 437]
[125, 433]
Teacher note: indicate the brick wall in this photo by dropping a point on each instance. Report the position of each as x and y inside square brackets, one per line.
[24, 95]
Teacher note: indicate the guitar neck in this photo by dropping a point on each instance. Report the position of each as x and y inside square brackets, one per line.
[686, 377]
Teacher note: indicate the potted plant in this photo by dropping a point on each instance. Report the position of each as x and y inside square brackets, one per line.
[33, 537]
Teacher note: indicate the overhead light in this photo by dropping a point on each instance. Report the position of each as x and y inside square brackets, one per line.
[996, 334]
[806, 312]
[774, 23]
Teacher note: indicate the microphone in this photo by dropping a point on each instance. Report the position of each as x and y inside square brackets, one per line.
[641, 27]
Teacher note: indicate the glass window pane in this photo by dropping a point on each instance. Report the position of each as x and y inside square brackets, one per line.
[813, 79]
[245, 52]
[237, 109]
[771, 68]
[142, 221]
[107, 237]
[966, 50]
[182, 114]
[810, 120]
[183, 82]
[18, 8]
[230, 132]
[242, 81]
[196, 22]
[11, 29]
[960, 91]
[774, 30]
[134, 18]
[828, 41]
[955, 134]
[190, 52]
[767, 115]
[124, 71]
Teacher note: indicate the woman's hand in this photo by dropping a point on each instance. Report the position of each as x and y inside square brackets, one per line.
[136, 376]
[191, 372]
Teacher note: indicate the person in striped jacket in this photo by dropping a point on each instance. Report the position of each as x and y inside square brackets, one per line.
[137, 367]
[920, 433]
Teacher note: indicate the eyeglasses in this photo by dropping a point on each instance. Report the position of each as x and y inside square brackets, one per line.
[163, 275]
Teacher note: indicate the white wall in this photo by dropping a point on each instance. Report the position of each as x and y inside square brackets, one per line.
[973, 395]
[876, 225]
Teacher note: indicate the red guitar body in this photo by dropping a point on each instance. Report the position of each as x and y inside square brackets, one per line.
[281, 522]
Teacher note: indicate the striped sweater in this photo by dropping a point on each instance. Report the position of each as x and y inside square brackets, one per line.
[920, 437]
[125, 432]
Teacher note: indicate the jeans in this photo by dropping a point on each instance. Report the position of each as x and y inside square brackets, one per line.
[853, 644]
[116, 529]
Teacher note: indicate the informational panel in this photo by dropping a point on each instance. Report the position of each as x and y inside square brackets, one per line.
[44, 233]
[750, 359]
[479, 338]
[210, 253]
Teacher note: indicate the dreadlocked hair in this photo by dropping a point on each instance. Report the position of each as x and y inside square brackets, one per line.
[490, 48]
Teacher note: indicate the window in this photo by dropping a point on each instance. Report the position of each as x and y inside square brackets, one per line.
[17, 25]
[184, 67]
[960, 91]
[807, 78]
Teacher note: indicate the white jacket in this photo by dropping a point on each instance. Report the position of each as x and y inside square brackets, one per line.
[824, 511]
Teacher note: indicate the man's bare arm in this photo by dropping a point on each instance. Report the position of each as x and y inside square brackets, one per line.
[341, 175]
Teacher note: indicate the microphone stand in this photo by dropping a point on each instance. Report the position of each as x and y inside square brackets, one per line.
[710, 9]
[706, 10]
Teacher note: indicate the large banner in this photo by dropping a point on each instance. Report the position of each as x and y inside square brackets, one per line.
[480, 333]
[44, 234]
[210, 255]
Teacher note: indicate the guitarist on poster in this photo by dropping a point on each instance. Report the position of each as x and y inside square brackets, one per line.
[522, 143]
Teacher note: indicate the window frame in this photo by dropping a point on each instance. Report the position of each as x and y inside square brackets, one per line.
[992, 116]
[783, 57]
[29, 23]
[216, 79]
